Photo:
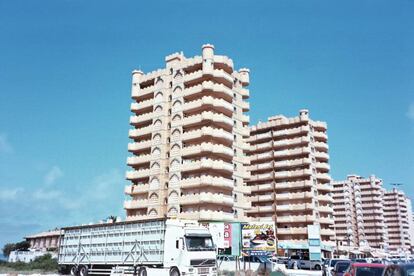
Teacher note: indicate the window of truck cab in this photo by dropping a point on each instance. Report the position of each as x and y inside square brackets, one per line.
[199, 243]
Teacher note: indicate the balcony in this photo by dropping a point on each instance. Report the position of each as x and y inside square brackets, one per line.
[281, 186]
[325, 198]
[294, 196]
[261, 198]
[325, 209]
[136, 189]
[242, 204]
[323, 177]
[195, 120]
[199, 182]
[292, 231]
[295, 207]
[245, 93]
[209, 87]
[144, 118]
[259, 137]
[139, 160]
[207, 131]
[136, 204]
[206, 198]
[324, 187]
[321, 146]
[327, 232]
[220, 104]
[136, 133]
[245, 106]
[207, 164]
[216, 74]
[326, 220]
[320, 136]
[295, 219]
[138, 146]
[134, 175]
[207, 215]
[260, 209]
[321, 156]
[138, 93]
[291, 131]
[146, 105]
[207, 147]
[322, 166]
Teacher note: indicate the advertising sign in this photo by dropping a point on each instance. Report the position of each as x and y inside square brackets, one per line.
[226, 237]
[258, 238]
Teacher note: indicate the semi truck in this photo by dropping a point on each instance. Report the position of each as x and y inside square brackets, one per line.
[149, 247]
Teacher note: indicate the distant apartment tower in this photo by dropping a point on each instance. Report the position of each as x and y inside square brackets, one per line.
[398, 216]
[188, 150]
[289, 179]
[359, 214]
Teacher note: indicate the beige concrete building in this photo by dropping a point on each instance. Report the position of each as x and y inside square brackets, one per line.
[359, 215]
[289, 179]
[45, 241]
[398, 218]
[188, 150]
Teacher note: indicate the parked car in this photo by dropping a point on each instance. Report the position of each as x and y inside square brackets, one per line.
[365, 269]
[340, 268]
[399, 270]
[298, 262]
[329, 266]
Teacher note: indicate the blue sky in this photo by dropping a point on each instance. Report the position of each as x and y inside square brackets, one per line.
[65, 89]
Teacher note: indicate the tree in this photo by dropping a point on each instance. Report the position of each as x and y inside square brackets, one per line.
[112, 218]
[9, 247]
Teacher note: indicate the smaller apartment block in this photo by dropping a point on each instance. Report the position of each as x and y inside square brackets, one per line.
[397, 213]
[359, 215]
[289, 179]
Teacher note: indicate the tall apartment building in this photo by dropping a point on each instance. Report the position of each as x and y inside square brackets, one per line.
[289, 179]
[398, 216]
[188, 150]
[359, 215]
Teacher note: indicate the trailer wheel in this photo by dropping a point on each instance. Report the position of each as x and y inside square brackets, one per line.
[142, 271]
[174, 272]
[74, 271]
[83, 271]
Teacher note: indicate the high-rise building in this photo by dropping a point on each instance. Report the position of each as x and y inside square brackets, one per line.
[359, 215]
[398, 218]
[188, 150]
[289, 179]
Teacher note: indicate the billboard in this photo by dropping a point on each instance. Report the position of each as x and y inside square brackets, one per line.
[226, 237]
[258, 238]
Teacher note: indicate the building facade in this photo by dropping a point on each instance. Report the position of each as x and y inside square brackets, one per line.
[359, 215]
[289, 179]
[188, 150]
[398, 218]
[45, 241]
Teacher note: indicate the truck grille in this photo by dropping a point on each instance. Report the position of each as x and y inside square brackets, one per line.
[203, 262]
[203, 270]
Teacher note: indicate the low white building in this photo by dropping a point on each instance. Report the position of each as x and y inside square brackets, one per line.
[27, 256]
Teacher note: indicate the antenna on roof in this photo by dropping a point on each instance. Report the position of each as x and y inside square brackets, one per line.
[396, 184]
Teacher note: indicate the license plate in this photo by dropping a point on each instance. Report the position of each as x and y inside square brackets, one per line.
[202, 270]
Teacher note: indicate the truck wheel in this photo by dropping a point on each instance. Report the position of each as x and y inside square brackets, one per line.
[317, 267]
[74, 271]
[83, 271]
[142, 271]
[174, 272]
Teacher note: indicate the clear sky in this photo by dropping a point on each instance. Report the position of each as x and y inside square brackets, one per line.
[65, 89]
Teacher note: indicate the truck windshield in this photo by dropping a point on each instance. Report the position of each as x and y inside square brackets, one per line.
[195, 243]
